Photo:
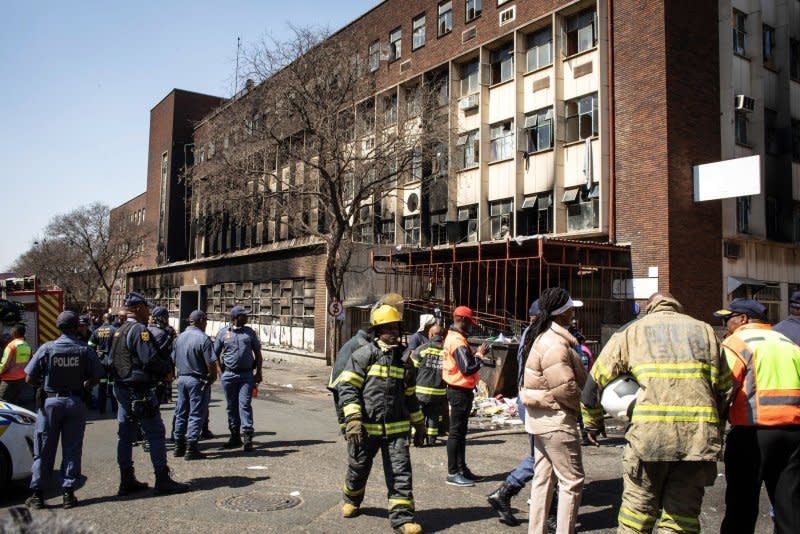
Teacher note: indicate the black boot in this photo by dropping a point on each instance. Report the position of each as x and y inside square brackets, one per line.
[234, 442]
[36, 501]
[180, 448]
[193, 452]
[248, 440]
[70, 501]
[500, 500]
[206, 434]
[165, 484]
[128, 483]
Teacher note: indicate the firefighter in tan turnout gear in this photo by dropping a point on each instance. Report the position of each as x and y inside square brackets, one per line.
[675, 436]
[377, 396]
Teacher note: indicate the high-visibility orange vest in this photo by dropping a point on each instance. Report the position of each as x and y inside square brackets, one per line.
[450, 371]
[766, 364]
[16, 356]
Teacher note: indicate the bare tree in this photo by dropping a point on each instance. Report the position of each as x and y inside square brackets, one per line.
[309, 147]
[83, 255]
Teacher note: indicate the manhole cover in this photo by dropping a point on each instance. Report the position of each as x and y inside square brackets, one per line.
[259, 502]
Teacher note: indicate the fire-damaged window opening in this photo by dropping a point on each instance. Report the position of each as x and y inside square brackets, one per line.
[438, 228]
[537, 214]
[412, 229]
[583, 208]
[468, 223]
[501, 218]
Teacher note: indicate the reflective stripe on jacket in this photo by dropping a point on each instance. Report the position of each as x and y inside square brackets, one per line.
[765, 367]
[685, 384]
[451, 374]
[377, 386]
[428, 361]
[16, 356]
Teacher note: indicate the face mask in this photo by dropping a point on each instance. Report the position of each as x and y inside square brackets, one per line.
[385, 347]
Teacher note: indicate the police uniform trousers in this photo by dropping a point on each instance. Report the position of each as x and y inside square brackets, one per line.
[191, 408]
[396, 470]
[432, 409]
[64, 417]
[10, 390]
[104, 391]
[666, 495]
[129, 424]
[753, 455]
[238, 388]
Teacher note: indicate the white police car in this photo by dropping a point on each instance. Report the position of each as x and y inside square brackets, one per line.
[17, 427]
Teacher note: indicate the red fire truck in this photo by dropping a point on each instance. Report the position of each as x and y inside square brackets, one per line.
[39, 307]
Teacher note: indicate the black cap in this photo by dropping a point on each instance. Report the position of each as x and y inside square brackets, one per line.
[131, 299]
[794, 300]
[66, 320]
[236, 311]
[159, 311]
[197, 315]
[741, 306]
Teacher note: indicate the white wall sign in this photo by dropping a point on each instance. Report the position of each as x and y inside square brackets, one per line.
[740, 177]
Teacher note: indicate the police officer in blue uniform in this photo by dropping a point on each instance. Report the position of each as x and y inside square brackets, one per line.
[63, 369]
[100, 341]
[164, 336]
[197, 370]
[239, 351]
[137, 367]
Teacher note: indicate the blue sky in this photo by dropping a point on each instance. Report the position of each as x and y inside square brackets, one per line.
[79, 79]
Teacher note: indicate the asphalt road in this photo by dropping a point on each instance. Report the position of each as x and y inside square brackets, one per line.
[299, 464]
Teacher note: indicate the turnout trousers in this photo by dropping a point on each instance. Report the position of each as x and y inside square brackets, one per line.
[667, 495]
[63, 417]
[432, 408]
[396, 470]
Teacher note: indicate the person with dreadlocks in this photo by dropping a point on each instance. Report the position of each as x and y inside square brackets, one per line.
[552, 383]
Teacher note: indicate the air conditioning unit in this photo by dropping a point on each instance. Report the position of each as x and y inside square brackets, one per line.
[468, 102]
[411, 203]
[745, 103]
[731, 250]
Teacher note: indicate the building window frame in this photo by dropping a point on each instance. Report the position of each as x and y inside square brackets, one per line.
[739, 26]
[438, 228]
[539, 49]
[444, 20]
[418, 32]
[768, 45]
[472, 10]
[390, 109]
[374, 55]
[501, 141]
[537, 213]
[741, 126]
[502, 64]
[395, 44]
[468, 223]
[470, 77]
[581, 118]
[412, 230]
[539, 130]
[575, 29]
[501, 218]
[469, 145]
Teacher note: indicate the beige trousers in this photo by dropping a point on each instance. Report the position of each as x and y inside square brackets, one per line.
[557, 453]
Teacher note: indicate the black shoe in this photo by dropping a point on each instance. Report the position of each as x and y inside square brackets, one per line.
[70, 501]
[500, 500]
[459, 480]
[180, 448]
[470, 475]
[234, 442]
[552, 524]
[206, 434]
[247, 444]
[128, 483]
[35, 501]
[165, 484]
[193, 452]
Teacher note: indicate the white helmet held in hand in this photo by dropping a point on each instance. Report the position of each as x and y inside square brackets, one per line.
[619, 394]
